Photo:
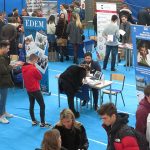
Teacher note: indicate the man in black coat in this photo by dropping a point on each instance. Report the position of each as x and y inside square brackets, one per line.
[69, 83]
[1, 22]
[94, 66]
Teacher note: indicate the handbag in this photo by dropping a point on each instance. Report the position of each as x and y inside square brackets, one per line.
[61, 42]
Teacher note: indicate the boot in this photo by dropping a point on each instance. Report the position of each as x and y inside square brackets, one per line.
[61, 58]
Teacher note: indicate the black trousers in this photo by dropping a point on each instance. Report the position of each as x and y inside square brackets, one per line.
[95, 97]
[37, 95]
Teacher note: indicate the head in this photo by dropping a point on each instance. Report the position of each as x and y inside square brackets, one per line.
[88, 57]
[51, 19]
[143, 48]
[76, 18]
[108, 114]
[114, 18]
[33, 58]
[124, 19]
[62, 16]
[15, 10]
[24, 12]
[4, 47]
[51, 140]
[147, 92]
[62, 6]
[124, 6]
[67, 118]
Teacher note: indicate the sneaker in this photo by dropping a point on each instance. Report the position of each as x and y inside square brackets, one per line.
[114, 69]
[4, 120]
[7, 115]
[83, 103]
[35, 123]
[45, 125]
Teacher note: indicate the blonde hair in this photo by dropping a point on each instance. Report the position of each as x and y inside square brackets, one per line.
[76, 18]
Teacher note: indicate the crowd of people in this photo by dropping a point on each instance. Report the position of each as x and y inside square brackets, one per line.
[69, 134]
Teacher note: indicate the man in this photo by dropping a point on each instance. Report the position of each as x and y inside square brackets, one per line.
[5, 80]
[2, 23]
[126, 38]
[94, 66]
[31, 77]
[111, 34]
[120, 135]
[143, 111]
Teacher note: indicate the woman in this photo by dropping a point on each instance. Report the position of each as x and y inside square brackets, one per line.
[73, 133]
[61, 34]
[75, 31]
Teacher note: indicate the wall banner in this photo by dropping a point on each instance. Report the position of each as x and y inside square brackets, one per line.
[36, 42]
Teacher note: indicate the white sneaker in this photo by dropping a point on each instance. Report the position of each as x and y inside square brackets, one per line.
[7, 115]
[4, 120]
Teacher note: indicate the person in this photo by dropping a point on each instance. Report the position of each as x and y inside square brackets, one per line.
[120, 135]
[95, 22]
[64, 11]
[31, 77]
[111, 34]
[94, 66]
[75, 31]
[142, 112]
[73, 133]
[69, 82]
[2, 23]
[143, 56]
[15, 11]
[5, 80]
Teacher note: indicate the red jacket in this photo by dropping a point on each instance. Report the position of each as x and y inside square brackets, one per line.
[31, 77]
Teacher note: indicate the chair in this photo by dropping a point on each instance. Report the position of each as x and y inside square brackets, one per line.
[115, 91]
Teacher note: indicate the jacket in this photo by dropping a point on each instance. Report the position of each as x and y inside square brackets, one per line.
[141, 115]
[31, 77]
[71, 79]
[120, 127]
[5, 73]
[74, 138]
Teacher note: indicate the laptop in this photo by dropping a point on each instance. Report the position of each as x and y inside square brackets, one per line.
[97, 76]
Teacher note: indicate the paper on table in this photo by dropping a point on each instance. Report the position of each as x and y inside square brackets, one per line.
[122, 32]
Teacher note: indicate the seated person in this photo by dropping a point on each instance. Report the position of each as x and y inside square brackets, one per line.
[94, 66]
[73, 133]
[70, 81]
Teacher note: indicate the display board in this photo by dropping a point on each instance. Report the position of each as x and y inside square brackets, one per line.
[36, 42]
[104, 13]
[141, 49]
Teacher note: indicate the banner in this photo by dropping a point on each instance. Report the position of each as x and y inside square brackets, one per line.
[104, 13]
[36, 42]
[141, 50]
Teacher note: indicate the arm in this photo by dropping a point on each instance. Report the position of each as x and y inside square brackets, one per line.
[37, 74]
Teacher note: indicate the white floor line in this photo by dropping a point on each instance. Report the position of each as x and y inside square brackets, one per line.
[97, 142]
[22, 118]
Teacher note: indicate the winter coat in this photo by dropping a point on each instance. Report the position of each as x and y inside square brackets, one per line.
[74, 138]
[5, 73]
[128, 140]
[75, 33]
[141, 115]
[31, 76]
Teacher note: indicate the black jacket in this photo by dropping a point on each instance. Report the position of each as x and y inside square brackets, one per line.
[144, 17]
[5, 73]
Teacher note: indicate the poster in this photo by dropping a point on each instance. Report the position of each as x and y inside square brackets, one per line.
[36, 42]
[104, 13]
[141, 50]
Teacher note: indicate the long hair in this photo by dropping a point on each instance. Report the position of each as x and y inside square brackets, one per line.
[76, 18]
[50, 140]
[51, 19]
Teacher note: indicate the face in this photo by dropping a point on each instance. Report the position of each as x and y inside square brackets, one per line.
[107, 120]
[143, 51]
[67, 122]
[5, 49]
[88, 59]
[61, 7]
[124, 19]
[62, 16]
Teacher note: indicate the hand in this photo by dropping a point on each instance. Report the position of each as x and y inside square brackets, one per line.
[20, 46]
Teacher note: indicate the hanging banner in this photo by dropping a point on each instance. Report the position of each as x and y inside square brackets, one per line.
[36, 42]
[104, 13]
[141, 47]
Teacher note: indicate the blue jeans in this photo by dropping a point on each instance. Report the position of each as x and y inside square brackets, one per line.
[3, 97]
[114, 52]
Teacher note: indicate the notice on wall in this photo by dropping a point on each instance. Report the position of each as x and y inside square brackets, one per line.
[104, 13]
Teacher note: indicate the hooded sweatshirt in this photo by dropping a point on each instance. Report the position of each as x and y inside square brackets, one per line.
[31, 76]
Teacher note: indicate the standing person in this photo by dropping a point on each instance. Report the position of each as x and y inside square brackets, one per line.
[61, 33]
[94, 66]
[31, 77]
[142, 112]
[64, 11]
[73, 133]
[120, 135]
[95, 22]
[5, 80]
[111, 34]
[75, 31]
[2, 23]
[69, 82]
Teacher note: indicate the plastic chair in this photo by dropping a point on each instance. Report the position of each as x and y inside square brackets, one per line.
[115, 91]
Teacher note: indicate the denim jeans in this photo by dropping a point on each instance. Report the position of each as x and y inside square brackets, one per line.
[114, 52]
[3, 97]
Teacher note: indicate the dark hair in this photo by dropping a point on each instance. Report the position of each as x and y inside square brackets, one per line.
[33, 57]
[124, 16]
[4, 43]
[147, 90]
[15, 9]
[107, 109]
[143, 44]
[114, 18]
[51, 19]
[88, 54]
